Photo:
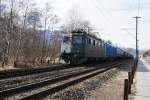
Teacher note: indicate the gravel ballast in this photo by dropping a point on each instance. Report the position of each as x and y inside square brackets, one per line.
[105, 86]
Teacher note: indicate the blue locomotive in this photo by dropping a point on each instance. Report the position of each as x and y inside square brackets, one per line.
[80, 47]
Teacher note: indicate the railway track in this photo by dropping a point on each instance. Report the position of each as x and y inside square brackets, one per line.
[59, 82]
[23, 80]
[33, 76]
[29, 71]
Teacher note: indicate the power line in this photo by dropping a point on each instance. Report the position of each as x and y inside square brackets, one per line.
[129, 32]
[101, 12]
[136, 37]
[104, 10]
[139, 6]
[109, 21]
[0, 8]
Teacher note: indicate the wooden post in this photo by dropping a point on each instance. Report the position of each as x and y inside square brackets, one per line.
[125, 89]
[130, 81]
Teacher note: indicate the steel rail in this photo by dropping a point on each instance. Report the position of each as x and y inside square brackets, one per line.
[23, 72]
[19, 89]
[64, 85]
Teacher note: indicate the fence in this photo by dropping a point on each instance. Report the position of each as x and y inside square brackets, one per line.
[128, 82]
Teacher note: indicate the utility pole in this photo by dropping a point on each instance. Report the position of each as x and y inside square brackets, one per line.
[137, 51]
[0, 8]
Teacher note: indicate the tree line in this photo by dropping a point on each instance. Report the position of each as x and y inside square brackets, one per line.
[24, 35]
[27, 35]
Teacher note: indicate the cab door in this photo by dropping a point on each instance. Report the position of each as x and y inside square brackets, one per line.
[66, 45]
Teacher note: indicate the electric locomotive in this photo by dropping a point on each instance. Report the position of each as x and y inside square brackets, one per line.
[80, 47]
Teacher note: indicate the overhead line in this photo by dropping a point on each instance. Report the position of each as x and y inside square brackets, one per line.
[109, 21]
[129, 33]
[139, 3]
[104, 10]
[101, 12]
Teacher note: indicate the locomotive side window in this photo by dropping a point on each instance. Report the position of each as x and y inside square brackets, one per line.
[97, 44]
[103, 45]
[66, 39]
[100, 44]
[77, 39]
[94, 42]
[89, 41]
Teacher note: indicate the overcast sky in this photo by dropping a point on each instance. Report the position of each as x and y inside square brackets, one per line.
[110, 17]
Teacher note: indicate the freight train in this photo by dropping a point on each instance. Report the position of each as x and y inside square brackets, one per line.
[80, 47]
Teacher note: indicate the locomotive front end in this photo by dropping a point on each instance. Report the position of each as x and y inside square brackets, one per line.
[66, 47]
[72, 48]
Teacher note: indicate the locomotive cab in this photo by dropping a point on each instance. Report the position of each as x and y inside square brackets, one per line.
[72, 47]
[66, 44]
[77, 44]
[66, 47]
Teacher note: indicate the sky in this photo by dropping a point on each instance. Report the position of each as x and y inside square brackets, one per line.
[113, 19]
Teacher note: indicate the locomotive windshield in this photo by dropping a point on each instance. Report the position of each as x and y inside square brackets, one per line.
[77, 39]
[66, 39]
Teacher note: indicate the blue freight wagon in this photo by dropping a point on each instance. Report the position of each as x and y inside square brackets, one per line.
[111, 51]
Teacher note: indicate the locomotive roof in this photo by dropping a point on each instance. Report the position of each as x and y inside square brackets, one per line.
[79, 31]
[85, 33]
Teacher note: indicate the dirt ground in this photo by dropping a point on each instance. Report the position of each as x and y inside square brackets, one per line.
[111, 90]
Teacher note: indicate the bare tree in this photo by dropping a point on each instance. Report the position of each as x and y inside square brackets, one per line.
[9, 30]
[76, 21]
[47, 13]
[22, 39]
[25, 6]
